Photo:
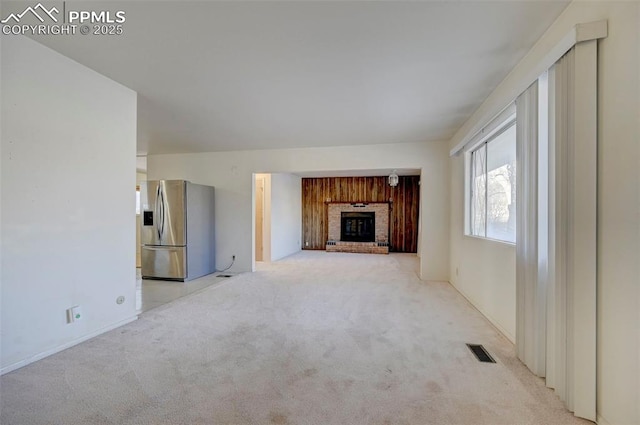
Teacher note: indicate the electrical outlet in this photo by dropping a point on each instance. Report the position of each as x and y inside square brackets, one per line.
[74, 313]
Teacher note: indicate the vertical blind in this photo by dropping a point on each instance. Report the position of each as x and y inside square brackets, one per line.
[556, 229]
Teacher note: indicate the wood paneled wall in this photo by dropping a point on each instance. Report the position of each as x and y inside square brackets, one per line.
[405, 197]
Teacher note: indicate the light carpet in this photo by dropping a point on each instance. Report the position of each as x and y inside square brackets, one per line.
[316, 338]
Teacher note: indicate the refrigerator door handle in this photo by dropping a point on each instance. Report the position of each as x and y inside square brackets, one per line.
[162, 205]
[158, 212]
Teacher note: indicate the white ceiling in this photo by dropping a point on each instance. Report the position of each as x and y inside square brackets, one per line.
[215, 76]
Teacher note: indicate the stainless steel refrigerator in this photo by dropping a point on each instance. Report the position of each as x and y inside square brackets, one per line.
[178, 241]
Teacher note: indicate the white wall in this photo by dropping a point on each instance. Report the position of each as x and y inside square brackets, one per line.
[140, 177]
[618, 280]
[286, 215]
[68, 201]
[484, 271]
[231, 173]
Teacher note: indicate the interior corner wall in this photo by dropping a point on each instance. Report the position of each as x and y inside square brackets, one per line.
[68, 202]
[618, 227]
[286, 215]
[232, 175]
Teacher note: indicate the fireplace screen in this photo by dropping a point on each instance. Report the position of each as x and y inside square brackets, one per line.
[358, 227]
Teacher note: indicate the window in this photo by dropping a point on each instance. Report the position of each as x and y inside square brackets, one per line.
[492, 186]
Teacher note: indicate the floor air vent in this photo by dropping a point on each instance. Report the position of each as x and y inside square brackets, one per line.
[224, 275]
[480, 353]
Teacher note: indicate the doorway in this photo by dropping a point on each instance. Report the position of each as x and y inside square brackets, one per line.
[259, 218]
[262, 196]
[141, 176]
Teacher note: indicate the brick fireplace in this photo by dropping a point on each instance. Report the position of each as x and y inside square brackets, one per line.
[336, 222]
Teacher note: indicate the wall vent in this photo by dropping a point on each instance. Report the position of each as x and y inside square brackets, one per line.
[480, 353]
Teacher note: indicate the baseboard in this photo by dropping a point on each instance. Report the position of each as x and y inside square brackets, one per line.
[487, 316]
[601, 421]
[48, 353]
